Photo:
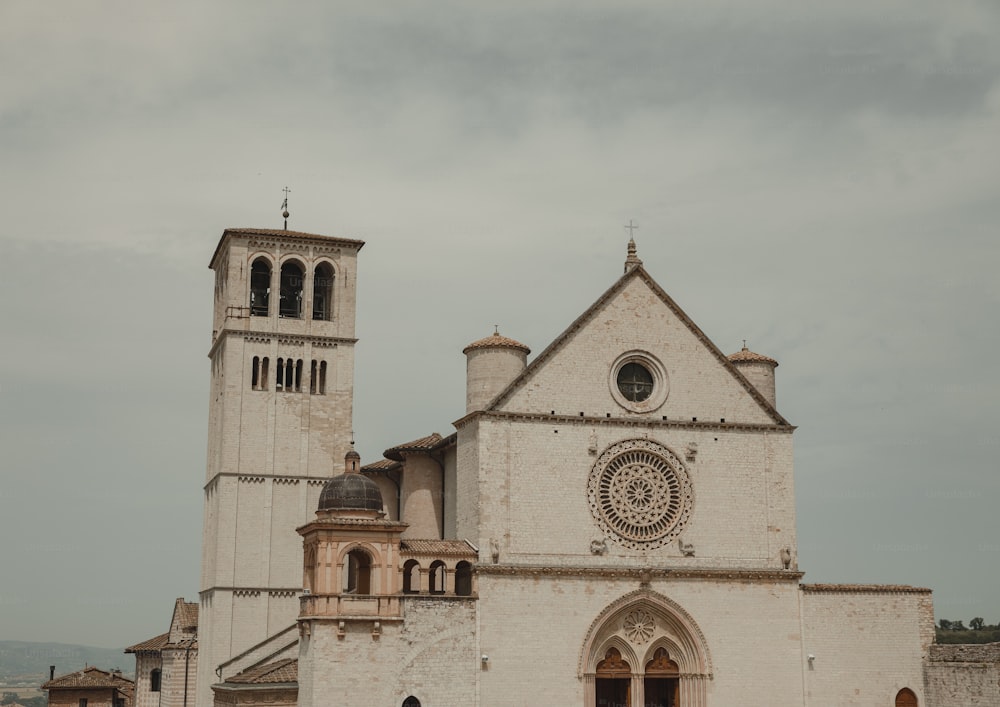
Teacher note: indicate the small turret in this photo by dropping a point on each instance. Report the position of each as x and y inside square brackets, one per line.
[491, 364]
[758, 369]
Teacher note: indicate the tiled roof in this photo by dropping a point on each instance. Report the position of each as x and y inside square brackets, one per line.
[90, 677]
[279, 672]
[381, 465]
[188, 614]
[437, 547]
[864, 588]
[424, 444]
[746, 354]
[281, 233]
[496, 341]
[153, 644]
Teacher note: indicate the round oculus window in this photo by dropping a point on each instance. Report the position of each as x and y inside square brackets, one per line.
[635, 382]
[640, 494]
[638, 381]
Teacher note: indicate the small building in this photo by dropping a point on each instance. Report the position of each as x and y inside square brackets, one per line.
[166, 666]
[90, 687]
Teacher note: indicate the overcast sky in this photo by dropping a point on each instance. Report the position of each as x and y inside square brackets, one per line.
[818, 178]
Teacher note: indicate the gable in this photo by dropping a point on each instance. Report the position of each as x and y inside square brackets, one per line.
[575, 374]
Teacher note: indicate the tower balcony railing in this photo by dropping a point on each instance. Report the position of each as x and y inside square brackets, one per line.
[344, 606]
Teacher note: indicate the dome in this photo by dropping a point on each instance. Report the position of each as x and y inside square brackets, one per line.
[496, 341]
[350, 492]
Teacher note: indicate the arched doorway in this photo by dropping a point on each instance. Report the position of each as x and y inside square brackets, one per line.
[614, 678]
[645, 650]
[661, 682]
[906, 698]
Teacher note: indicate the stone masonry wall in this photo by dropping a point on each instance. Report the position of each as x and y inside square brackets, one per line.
[868, 645]
[432, 656]
[963, 676]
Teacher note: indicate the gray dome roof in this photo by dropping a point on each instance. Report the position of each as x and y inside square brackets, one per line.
[350, 492]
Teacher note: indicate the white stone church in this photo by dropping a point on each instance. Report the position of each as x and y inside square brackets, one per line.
[611, 523]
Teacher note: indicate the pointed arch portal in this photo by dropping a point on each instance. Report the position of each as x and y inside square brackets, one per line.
[645, 650]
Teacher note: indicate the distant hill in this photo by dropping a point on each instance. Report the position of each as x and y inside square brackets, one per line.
[25, 658]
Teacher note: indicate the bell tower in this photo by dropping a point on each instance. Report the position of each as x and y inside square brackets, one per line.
[280, 415]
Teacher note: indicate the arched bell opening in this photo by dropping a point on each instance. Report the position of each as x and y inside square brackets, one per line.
[260, 287]
[323, 292]
[290, 292]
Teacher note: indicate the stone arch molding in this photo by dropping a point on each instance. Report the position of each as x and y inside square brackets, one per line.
[637, 625]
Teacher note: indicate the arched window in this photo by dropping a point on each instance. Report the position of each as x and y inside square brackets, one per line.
[323, 292]
[154, 680]
[260, 287]
[358, 577]
[437, 573]
[906, 698]
[258, 379]
[613, 678]
[291, 290]
[411, 701]
[411, 577]
[463, 579]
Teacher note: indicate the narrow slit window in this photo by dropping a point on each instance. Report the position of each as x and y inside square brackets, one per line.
[263, 373]
[255, 376]
[312, 378]
[322, 378]
[298, 375]
[279, 383]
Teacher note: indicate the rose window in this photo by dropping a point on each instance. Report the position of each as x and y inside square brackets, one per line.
[639, 494]
[639, 626]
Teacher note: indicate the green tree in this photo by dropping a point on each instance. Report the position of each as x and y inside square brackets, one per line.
[957, 625]
[977, 623]
[944, 624]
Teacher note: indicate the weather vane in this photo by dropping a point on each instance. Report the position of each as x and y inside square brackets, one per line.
[284, 206]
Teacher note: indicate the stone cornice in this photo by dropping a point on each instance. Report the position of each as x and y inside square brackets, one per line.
[283, 338]
[624, 422]
[316, 480]
[642, 574]
[270, 590]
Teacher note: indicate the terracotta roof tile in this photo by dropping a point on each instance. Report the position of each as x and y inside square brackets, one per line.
[381, 465]
[90, 677]
[153, 644]
[746, 354]
[424, 444]
[496, 341]
[437, 547]
[188, 614]
[864, 588]
[279, 672]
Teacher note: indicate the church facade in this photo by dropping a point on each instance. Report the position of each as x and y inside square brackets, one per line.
[610, 524]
